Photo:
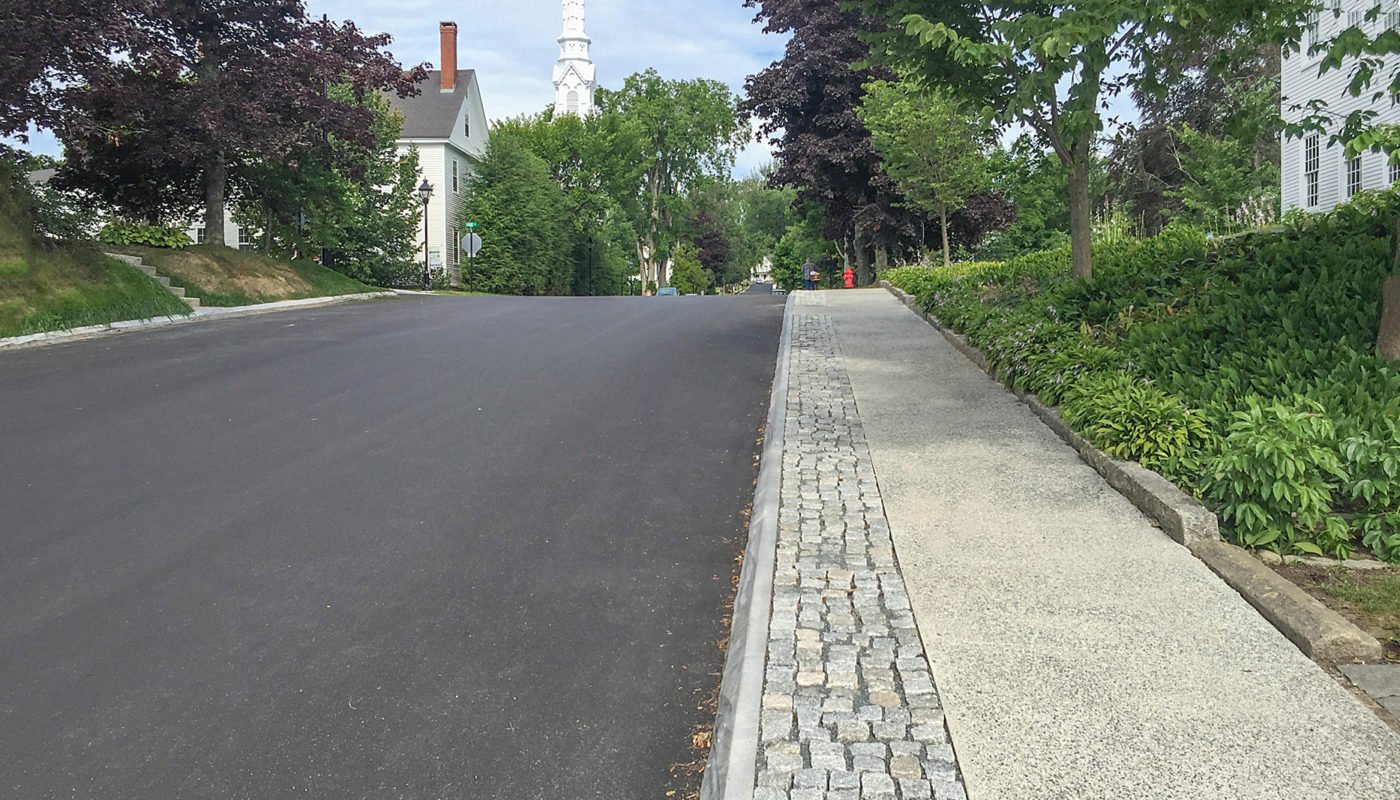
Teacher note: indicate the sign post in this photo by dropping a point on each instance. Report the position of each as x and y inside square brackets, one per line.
[473, 246]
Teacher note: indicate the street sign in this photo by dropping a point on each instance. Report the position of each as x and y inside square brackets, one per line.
[472, 243]
[469, 225]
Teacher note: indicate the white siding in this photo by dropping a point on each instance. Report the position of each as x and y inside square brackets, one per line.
[448, 209]
[230, 229]
[1301, 84]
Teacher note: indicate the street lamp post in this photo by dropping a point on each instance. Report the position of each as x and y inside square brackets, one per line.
[425, 192]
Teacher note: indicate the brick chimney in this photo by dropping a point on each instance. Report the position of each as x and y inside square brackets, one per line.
[449, 56]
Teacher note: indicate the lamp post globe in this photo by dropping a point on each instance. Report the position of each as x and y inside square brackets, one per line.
[425, 192]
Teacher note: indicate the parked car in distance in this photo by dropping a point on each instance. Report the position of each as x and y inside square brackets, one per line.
[669, 291]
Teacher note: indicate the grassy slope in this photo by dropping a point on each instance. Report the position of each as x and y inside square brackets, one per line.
[47, 287]
[223, 276]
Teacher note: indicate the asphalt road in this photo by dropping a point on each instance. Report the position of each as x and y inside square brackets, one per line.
[422, 548]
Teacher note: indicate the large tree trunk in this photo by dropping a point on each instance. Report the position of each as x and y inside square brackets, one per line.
[215, 164]
[943, 222]
[215, 193]
[1080, 216]
[653, 228]
[1389, 340]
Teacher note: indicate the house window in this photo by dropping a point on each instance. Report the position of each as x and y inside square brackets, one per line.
[1356, 19]
[1353, 176]
[467, 127]
[459, 237]
[199, 235]
[573, 102]
[1394, 170]
[245, 239]
[1311, 162]
[1314, 23]
[456, 185]
[1392, 20]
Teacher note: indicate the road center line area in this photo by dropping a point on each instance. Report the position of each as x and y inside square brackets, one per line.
[434, 547]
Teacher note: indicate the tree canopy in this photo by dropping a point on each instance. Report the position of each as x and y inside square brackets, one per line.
[217, 86]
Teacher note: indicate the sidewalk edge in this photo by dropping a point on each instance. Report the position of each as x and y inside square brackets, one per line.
[732, 769]
[124, 326]
[1317, 630]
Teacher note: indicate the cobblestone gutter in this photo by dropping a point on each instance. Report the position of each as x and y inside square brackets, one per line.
[850, 710]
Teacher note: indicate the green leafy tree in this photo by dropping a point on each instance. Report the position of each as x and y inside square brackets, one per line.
[1049, 66]
[1032, 179]
[688, 131]
[1222, 184]
[522, 212]
[215, 87]
[930, 144]
[803, 241]
[689, 276]
[350, 203]
[597, 164]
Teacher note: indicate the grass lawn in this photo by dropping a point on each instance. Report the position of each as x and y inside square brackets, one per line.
[1368, 597]
[223, 276]
[55, 287]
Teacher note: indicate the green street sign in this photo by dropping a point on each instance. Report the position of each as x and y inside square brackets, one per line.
[469, 225]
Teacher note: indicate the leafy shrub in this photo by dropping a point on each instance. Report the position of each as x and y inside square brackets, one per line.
[134, 233]
[1130, 419]
[1056, 369]
[1275, 477]
[1372, 463]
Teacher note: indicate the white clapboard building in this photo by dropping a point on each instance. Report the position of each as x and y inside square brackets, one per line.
[1317, 175]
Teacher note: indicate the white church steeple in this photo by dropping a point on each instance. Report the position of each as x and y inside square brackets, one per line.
[575, 77]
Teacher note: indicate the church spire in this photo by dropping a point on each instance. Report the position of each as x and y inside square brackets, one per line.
[575, 77]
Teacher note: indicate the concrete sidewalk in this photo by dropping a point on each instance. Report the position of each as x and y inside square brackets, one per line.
[1079, 653]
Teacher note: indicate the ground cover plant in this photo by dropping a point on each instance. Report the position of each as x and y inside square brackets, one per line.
[1244, 368]
[223, 276]
[47, 284]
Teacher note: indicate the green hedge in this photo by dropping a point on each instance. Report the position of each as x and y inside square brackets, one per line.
[1244, 368]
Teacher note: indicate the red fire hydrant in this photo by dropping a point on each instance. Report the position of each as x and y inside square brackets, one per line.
[850, 278]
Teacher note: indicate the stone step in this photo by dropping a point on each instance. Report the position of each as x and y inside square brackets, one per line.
[178, 291]
[134, 261]
[192, 302]
[162, 280]
[151, 271]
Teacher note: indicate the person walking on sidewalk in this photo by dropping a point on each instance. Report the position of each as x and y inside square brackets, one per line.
[809, 275]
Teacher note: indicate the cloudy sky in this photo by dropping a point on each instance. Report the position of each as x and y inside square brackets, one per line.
[511, 44]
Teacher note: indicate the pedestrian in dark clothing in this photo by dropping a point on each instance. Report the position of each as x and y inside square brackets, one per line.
[809, 273]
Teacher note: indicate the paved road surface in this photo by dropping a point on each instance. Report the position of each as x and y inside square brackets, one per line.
[426, 548]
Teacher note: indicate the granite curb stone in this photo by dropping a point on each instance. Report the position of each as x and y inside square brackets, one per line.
[206, 313]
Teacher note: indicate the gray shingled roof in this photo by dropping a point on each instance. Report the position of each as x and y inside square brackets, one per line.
[432, 114]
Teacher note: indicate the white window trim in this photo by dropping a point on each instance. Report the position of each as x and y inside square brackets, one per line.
[1312, 167]
[456, 180]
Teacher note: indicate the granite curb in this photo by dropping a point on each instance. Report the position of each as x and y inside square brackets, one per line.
[731, 771]
[207, 313]
[1315, 629]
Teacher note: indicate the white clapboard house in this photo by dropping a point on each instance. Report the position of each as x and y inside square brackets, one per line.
[1317, 175]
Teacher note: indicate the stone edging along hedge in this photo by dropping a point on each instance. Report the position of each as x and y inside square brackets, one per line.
[1317, 630]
